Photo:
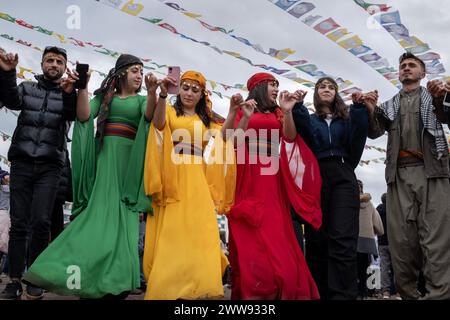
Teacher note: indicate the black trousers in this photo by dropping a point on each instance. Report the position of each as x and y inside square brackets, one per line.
[363, 263]
[57, 220]
[33, 188]
[331, 251]
[297, 223]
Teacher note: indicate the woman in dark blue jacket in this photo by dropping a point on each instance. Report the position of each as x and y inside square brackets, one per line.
[337, 136]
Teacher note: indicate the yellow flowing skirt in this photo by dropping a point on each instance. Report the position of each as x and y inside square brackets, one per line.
[183, 257]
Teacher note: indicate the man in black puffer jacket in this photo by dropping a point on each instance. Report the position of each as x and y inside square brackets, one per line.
[37, 156]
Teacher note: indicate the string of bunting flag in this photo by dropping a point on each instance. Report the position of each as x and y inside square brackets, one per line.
[99, 48]
[363, 163]
[5, 136]
[379, 149]
[5, 160]
[298, 63]
[328, 27]
[389, 18]
[21, 73]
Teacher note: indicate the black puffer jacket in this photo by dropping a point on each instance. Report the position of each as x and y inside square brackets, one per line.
[45, 107]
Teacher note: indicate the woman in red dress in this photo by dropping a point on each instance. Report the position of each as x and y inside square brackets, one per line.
[266, 259]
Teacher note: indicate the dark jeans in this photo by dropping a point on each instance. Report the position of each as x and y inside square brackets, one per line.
[57, 220]
[331, 251]
[297, 223]
[141, 250]
[4, 262]
[33, 190]
[363, 263]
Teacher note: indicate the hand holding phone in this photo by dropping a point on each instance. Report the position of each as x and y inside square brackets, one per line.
[174, 72]
[82, 70]
[447, 99]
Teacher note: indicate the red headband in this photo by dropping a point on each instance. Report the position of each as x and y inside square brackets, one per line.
[258, 78]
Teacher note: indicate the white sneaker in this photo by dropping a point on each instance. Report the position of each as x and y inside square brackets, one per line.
[397, 296]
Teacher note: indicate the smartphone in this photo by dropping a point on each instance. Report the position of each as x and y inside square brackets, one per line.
[174, 72]
[82, 70]
[447, 99]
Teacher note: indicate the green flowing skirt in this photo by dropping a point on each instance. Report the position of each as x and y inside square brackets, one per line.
[97, 254]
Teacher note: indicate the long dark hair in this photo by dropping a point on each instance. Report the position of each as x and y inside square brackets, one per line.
[114, 83]
[260, 95]
[337, 107]
[201, 109]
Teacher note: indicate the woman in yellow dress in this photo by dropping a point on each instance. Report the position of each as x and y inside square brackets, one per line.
[182, 253]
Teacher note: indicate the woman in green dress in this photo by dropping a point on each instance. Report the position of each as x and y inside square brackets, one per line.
[97, 255]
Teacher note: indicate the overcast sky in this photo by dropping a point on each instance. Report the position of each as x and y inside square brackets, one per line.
[259, 21]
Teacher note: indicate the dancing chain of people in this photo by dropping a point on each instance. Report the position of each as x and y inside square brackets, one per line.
[148, 175]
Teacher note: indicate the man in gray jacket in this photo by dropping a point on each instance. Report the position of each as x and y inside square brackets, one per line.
[417, 174]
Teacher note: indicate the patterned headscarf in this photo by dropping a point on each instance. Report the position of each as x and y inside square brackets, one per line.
[258, 78]
[108, 88]
[197, 76]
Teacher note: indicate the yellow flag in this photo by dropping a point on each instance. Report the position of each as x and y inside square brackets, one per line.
[231, 53]
[191, 15]
[411, 42]
[352, 42]
[21, 74]
[132, 8]
[213, 84]
[60, 37]
[345, 84]
[336, 35]
[283, 54]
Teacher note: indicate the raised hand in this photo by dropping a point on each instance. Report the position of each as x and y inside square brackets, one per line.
[370, 100]
[235, 103]
[248, 107]
[288, 100]
[300, 95]
[8, 61]
[447, 86]
[164, 84]
[151, 82]
[436, 88]
[357, 97]
[68, 83]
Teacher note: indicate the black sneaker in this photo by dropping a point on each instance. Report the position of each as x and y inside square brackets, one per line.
[34, 293]
[136, 292]
[12, 291]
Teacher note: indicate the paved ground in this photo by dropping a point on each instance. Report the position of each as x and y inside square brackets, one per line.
[51, 296]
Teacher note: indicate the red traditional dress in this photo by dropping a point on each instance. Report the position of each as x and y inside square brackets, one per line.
[266, 259]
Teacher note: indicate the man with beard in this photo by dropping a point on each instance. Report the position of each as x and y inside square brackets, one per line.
[417, 174]
[37, 157]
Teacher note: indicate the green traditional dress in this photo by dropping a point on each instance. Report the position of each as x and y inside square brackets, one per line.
[97, 254]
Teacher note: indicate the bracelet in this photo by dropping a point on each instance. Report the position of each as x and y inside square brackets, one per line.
[162, 97]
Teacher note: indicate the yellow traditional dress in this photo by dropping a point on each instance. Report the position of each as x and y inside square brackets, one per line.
[182, 255]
